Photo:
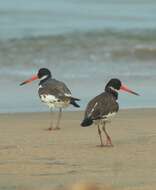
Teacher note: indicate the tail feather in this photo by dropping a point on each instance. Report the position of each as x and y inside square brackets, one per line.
[76, 99]
[74, 103]
[87, 122]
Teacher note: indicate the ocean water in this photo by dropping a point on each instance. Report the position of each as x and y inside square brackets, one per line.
[83, 42]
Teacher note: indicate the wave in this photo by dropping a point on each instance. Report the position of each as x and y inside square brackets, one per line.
[129, 34]
[79, 48]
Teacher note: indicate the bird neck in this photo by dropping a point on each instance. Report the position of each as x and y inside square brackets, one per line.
[113, 92]
[44, 80]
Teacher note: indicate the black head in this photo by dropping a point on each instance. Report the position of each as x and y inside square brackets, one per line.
[114, 84]
[44, 73]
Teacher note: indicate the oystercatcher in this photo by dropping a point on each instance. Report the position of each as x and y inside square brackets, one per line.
[101, 108]
[54, 93]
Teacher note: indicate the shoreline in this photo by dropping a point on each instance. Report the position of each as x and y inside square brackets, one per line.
[73, 110]
[34, 158]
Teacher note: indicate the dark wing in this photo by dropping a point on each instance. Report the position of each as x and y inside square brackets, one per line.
[55, 88]
[101, 106]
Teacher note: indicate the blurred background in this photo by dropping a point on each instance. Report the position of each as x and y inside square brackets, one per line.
[83, 42]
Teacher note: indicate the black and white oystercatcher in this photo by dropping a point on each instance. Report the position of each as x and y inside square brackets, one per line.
[101, 108]
[54, 93]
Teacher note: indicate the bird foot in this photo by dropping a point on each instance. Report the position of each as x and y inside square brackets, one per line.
[105, 145]
[109, 145]
[57, 128]
[108, 142]
[52, 129]
[49, 129]
[101, 145]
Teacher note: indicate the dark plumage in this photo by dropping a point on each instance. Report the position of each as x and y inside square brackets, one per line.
[53, 92]
[100, 106]
[57, 89]
[100, 109]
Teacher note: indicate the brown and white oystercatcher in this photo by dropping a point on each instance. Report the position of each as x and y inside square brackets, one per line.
[101, 108]
[54, 93]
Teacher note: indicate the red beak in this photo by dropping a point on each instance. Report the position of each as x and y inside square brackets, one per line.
[35, 77]
[125, 88]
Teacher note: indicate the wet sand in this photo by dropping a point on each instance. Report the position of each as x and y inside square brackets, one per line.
[33, 158]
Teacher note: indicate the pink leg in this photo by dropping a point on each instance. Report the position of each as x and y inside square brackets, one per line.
[51, 123]
[58, 120]
[99, 131]
[108, 140]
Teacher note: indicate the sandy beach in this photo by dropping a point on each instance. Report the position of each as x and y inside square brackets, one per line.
[33, 158]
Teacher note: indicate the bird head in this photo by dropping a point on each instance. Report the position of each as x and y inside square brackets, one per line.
[116, 85]
[42, 74]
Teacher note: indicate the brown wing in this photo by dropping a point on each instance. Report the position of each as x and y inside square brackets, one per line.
[55, 88]
[101, 106]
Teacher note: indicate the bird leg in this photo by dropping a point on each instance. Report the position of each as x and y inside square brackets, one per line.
[99, 131]
[59, 119]
[51, 123]
[108, 140]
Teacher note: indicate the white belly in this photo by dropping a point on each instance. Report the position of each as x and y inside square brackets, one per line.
[54, 102]
[109, 116]
[105, 118]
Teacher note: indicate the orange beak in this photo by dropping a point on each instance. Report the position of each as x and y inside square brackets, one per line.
[126, 89]
[34, 77]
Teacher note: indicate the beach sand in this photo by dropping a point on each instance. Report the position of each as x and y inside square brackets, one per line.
[33, 158]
